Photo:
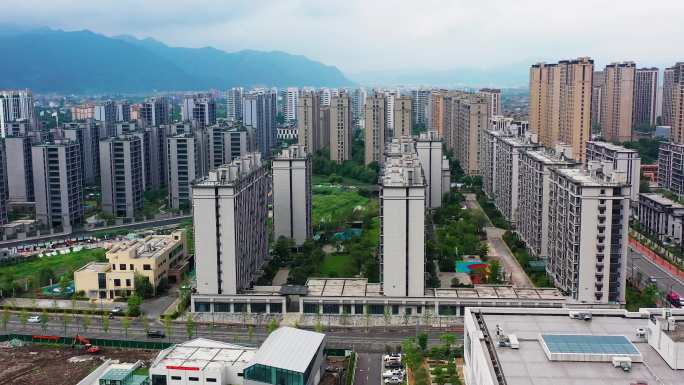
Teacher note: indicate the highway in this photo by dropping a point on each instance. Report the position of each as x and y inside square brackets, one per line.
[641, 267]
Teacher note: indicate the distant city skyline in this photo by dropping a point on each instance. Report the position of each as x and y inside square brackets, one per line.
[443, 35]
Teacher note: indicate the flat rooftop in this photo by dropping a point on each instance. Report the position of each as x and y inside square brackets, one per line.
[151, 246]
[583, 176]
[662, 200]
[98, 267]
[550, 157]
[611, 146]
[529, 365]
[202, 353]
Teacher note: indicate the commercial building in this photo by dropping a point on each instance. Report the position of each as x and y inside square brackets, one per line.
[159, 258]
[230, 208]
[645, 97]
[58, 184]
[19, 168]
[493, 95]
[534, 346]
[622, 159]
[402, 221]
[309, 122]
[122, 175]
[560, 103]
[617, 102]
[113, 372]
[87, 135]
[588, 232]
[668, 88]
[155, 112]
[402, 123]
[291, 171]
[677, 116]
[429, 151]
[661, 217]
[184, 168]
[234, 104]
[340, 127]
[200, 109]
[419, 102]
[670, 167]
[259, 112]
[16, 105]
[534, 182]
[375, 129]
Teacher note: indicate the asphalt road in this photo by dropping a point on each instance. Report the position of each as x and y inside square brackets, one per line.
[368, 369]
[640, 266]
[357, 339]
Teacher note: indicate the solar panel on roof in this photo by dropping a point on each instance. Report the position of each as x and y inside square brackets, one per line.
[588, 344]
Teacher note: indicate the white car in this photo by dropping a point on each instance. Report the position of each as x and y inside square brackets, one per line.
[393, 380]
[392, 357]
[34, 319]
[393, 373]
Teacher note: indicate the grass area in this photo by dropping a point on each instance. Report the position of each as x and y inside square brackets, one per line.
[59, 264]
[324, 179]
[330, 204]
[337, 265]
[142, 371]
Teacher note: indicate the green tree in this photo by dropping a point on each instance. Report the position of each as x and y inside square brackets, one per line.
[387, 316]
[44, 320]
[318, 327]
[168, 323]
[423, 341]
[190, 325]
[45, 275]
[494, 271]
[85, 321]
[134, 302]
[126, 324]
[105, 323]
[250, 332]
[23, 317]
[145, 323]
[63, 285]
[5, 316]
[143, 287]
[448, 339]
[66, 319]
[272, 325]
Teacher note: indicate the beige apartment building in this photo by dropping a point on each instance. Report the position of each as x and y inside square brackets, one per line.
[340, 127]
[617, 102]
[494, 97]
[560, 103]
[156, 257]
[436, 111]
[309, 121]
[402, 116]
[677, 118]
[375, 128]
[467, 115]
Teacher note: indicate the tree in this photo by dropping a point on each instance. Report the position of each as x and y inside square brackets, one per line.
[44, 320]
[143, 287]
[189, 325]
[250, 332]
[494, 271]
[448, 339]
[126, 324]
[23, 317]
[63, 285]
[85, 321]
[318, 327]
[134, 302]
[66, 318]
[105, 323]
[272, 325]
[423, 341]
[145, 323]
[45, 276]
[168, 322]
[5, 316]
[387, 315]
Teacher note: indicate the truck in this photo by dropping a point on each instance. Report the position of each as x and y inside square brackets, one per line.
[675, 299]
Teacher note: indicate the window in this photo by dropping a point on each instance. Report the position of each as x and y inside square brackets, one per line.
[128, 283]
[176, 378]
[221, 307]
[131, 266]
[210, 379]
[117, 282]
[122, 266]
[202, 306]
[276, 308]
[193, 379]
[147, 267]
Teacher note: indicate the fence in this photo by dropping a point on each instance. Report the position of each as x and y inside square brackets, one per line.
[660, 261]
[101, 342]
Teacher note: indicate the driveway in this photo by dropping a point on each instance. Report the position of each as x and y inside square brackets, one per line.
[368, 369]
[499, 250]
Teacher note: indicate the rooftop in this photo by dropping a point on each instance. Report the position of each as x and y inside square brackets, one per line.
[202, 353]
[588, 178]
[550, 157]
[230, 173]
[152, 246]
[662, 200]
[97, 267]
[289, 348]
[611, 146]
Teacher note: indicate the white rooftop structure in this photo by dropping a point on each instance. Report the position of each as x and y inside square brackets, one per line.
[289, 348]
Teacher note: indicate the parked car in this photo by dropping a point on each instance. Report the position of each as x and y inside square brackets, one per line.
[393, 373]
[393, 365]
[34, 319]
[393, 380]
[675, 299]
[392, 357]
[155, 334]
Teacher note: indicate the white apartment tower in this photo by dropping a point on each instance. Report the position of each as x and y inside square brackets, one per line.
[402, 221]
[429, 151]
[16, 105]
[155, 112]
[122, 175]
[234, 104]
[291, 171]
[200, 109]
[290, 104]
[58, 184]
[230, 209]
[19, 176]
[622, 159]
[588, 232]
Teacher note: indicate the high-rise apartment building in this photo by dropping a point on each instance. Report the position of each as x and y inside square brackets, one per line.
[183, 169]
[390, 96]
[419, 102]
[622, 159]
[560, 103]
[200, 109]
[106, 113]
[677, 116]
[588, 233]
[340, 127]
[617, 102]
[429, 150]
[259, 112]
[122, 175]
[290, 104]
[534, 183]
[225, 144]
[58, 186]
[402, 116]
[234, 104]
[155, 156]
[230, 210]
[309, 122]
[645, 97]
[123, 111]
[19, 172]
[670, 161]
[291, 171]
[16, 105]
[493, 95]
[467, 116]
[359, 106]
[83, 112]
[326, 96]
[596, 95]
[4, 193]
[375, 128]
[402, 221]
[155, 112]
[435, 111]
[668, 87]
[87, 135]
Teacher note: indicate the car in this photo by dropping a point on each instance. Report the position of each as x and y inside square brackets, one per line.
[393, 373]
[34, 319]
[393, 365]
[652, 279]
[393, 380]
[116, 311]
[392, 357]
[155, 334]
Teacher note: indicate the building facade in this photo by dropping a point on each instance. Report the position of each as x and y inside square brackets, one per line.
[668, 87]
[493, 95]
[87, 134]
[291, 171]
[16, 105]
[402, 122]
[234, 104]
[309, 132]
[290, 103]
[183, 169]
[19, 168]
[645, 97]
[155, 112]
[670, 167]
[375, 129]
[340, 118]
[259, 112]
[200, 109]
[429, 151]
[661, 217]
[4, 188]
[122, 175]
[677, 116]
[617, 102]
[622, 159]
[596, 94]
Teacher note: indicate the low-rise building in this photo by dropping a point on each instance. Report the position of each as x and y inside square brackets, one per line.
[112, 372]
[661, 217]
[670, 169]
[156, 257]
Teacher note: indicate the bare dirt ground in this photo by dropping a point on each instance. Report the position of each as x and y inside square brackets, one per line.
[49, 365]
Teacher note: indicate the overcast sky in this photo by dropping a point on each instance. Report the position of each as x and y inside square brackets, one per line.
[371, 35]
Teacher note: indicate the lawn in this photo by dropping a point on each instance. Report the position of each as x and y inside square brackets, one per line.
[334, 203]
[59, 264]
[338, 265]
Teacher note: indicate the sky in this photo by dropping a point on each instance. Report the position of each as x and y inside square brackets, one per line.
[383, 35]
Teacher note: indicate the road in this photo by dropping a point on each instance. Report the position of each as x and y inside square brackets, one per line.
[640, 266]
[357, 339]
[368, 369]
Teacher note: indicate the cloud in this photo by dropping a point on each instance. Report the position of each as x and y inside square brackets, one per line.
[364, 35]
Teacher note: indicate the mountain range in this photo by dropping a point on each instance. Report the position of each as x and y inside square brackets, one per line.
[47, 60]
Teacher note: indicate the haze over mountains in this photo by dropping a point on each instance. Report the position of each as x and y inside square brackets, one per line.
[48, 60]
